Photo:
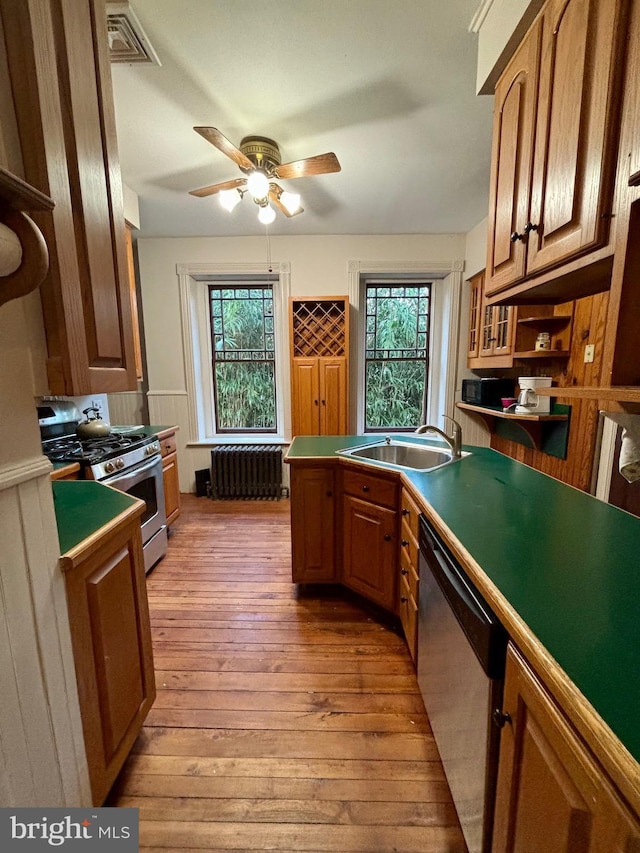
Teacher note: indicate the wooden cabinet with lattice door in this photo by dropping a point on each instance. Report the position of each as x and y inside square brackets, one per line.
[319, 336]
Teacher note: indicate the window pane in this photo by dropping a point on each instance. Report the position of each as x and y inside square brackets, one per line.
[243, 351]
[396, 355]
[245, 395]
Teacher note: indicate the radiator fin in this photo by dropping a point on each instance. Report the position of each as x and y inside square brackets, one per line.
[246, 472]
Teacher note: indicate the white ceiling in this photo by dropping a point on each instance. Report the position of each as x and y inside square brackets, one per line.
[388, 85]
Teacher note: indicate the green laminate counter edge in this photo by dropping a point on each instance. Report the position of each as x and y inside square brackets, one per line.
[84, 507]
[567, 564]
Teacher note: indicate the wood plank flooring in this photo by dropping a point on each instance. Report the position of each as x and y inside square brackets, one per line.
[286, 719]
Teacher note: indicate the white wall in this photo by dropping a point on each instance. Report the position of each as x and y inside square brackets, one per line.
[319, 266]
[500, 25]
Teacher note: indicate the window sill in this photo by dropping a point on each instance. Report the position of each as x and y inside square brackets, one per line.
[239, 439]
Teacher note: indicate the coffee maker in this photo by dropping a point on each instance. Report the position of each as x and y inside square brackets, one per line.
[529, 401]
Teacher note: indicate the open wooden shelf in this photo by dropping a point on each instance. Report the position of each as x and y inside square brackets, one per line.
[548, 433]
[556, 319]
[547, 353]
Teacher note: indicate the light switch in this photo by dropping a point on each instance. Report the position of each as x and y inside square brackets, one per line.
[589, 353]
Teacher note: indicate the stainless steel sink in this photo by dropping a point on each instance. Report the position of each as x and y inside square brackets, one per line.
[402, 454]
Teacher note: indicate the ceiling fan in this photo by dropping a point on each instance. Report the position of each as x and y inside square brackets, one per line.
[259, 159]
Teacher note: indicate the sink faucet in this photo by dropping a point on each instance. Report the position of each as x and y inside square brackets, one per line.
[454, 440]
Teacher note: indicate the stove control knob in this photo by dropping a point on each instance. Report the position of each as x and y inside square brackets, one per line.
[151, 448]
[109, 467]
[119, 464]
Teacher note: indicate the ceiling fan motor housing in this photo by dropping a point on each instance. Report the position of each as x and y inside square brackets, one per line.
[263, 152]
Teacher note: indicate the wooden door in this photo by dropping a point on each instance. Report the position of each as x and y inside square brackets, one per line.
[305, 397]
[369, 550]
[576, 131]
[551, 794]
[313, 524]
[513, 129]
[333, 396]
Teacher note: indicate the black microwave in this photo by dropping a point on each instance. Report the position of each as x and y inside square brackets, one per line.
[486, 392]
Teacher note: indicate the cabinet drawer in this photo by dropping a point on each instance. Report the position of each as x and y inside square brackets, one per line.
[410, 512]
[409, 546]
[409, 574]
[168, 445]
[375, 489]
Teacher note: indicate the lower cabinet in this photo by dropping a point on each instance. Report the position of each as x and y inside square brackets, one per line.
[111, 638]
[313, 524]
[369, 539]
[171, 483]
[552, 794]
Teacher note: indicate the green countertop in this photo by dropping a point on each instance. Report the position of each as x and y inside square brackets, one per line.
[82, 507]
[568, 563]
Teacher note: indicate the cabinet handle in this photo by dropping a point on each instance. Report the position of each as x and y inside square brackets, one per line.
[387, 537]
[324, 402]
[404, 571]
[404, 543]
[365, 488]
[501, 718]
[403, 599]
[405, 511]
[316, 402]
[515, 237]
[529, 227]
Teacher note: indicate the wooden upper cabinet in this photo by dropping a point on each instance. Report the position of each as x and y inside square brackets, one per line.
[61, 86]
[512, 151]
[476, 284]
[555, 136]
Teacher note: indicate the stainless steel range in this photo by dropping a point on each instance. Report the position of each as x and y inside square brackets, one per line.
[126, 459]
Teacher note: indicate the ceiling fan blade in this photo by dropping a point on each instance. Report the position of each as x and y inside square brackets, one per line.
[275, 192]
[216, 188]
[321, 164]
[213, 135]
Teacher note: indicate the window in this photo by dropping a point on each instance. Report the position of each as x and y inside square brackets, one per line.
[396, 361]
[243, 357]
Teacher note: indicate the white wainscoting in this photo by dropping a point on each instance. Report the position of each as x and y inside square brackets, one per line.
[128, 408]
[41, 737]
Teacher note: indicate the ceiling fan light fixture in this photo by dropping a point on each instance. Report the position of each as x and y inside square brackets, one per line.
[229, 199]
[258, 184]
[291, 201]
[266, 214]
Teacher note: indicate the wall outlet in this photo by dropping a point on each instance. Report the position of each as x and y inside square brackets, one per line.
[97, 404]
[589, 353]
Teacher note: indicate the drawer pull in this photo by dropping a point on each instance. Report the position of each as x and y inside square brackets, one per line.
[387, 537]
[403, 599]
[404, 572]
[405, 511]
[404, 543]
[365, 488]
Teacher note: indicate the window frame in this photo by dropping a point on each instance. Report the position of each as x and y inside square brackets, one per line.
[243, 285]
[367, 284]
[194, 279]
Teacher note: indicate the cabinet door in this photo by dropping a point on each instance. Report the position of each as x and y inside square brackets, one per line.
[576, 130]
[313, 524]
[513, 129]
[171, 487]
[551, 794]
[66, 124]
[111, 638]
[475, 315]
[333, 396]
[305, 397]
[369, 550]
[497, 332]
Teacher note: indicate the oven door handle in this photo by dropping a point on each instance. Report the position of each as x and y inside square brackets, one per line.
[131, 474]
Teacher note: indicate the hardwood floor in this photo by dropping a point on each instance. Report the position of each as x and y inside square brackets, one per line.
[285, 720]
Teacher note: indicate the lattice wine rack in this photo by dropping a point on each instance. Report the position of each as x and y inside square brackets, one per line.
[319, 327]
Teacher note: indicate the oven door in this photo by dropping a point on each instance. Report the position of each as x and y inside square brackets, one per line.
[144, 481]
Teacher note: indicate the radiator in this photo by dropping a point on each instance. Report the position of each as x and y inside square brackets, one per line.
[246, 471]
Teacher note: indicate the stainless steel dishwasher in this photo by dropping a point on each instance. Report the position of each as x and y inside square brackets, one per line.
[461, 660]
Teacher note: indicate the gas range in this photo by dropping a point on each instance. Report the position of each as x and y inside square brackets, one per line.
[100, 457]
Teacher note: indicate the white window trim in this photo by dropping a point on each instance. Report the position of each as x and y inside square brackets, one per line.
[193, 281]
[445, 329]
